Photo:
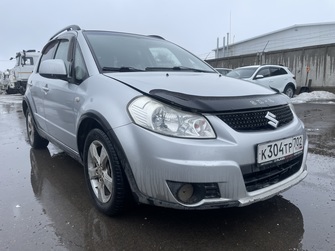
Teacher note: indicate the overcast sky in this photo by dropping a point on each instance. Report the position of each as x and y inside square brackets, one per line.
[193, 24]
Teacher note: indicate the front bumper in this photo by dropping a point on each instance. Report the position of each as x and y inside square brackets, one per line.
[157, 160]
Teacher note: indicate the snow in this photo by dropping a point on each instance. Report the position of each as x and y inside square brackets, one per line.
[315, 96]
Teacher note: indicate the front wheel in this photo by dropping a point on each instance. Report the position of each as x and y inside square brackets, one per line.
[35, 140]
[103, 173]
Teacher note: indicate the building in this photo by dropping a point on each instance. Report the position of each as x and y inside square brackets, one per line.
[308, 50]
[296, 36]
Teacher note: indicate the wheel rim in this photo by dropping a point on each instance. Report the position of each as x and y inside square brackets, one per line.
[99, 171]
[30, 128]
[289, 92]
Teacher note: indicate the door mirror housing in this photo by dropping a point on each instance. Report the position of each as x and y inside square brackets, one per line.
[53, 68]
[259, 77]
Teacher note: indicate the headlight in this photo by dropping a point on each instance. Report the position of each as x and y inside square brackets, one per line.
[161, 118]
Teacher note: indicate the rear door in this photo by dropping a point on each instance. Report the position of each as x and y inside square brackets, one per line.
[279, 78]
[37, 88]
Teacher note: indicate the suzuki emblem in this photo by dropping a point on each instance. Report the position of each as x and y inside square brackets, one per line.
[273, 122]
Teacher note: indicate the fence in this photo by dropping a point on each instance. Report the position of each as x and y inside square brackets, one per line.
[313, 66]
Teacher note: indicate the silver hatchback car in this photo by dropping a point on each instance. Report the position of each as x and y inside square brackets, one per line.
[152, 122]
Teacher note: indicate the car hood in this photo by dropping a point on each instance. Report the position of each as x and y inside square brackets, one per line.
[198, 84]
[203, 92]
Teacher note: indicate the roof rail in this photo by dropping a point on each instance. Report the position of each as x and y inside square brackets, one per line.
[156, 36]
[68, 28]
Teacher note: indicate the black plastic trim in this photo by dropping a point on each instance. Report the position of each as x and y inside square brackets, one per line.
[212, 104]
[67, 28]
[119, 149]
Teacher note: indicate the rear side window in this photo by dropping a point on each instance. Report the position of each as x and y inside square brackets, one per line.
[277, 71]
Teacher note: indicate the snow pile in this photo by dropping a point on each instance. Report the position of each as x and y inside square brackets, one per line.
[314, 96]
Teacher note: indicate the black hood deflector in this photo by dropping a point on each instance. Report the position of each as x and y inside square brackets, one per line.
[217, 104]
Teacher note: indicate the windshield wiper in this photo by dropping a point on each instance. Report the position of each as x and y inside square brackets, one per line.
[120, 69]
[175, 68]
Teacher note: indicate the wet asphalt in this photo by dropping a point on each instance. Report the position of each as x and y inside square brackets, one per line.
[44, 204]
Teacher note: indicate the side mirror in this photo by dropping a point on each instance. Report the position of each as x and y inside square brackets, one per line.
[259, 77]
[53, 68]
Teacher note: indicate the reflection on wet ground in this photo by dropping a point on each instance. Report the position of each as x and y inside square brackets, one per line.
[10, 103]
[319, 120]
[77, 224]
[44, 204]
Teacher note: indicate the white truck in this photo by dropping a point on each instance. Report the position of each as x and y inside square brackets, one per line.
[24, 66]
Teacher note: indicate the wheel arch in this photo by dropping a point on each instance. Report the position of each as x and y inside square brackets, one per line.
[290, 84]
[93, 119]
[89, 121]
[25, 106]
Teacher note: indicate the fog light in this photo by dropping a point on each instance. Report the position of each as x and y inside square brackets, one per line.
[192, 193]
[185, 193]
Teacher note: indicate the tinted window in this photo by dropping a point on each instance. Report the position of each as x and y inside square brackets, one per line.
[277, 71]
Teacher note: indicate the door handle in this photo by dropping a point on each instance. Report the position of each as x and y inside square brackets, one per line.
[45, 88]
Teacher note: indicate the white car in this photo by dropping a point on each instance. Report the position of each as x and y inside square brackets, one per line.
[223, 71]
[273, 76]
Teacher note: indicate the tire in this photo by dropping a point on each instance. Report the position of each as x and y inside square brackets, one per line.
[11, 91]
[103, 174]
[289, 91]
[35, 140]
[22, 90]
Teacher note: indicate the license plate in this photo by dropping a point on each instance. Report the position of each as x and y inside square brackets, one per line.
[279, 150]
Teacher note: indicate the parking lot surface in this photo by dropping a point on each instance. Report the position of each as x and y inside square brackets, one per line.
[44, 203]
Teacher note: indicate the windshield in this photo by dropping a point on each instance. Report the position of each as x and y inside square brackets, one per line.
[242, 72]
[126, 52]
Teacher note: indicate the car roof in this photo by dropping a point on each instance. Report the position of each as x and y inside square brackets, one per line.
[78, 29]
[258, 66]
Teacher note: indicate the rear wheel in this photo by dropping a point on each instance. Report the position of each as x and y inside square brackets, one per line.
[11, 91]
[22, 90]
[289, 91]
[103, 173]
[35, 140]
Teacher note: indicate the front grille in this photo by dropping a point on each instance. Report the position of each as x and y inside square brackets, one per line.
[252, 120]
[259, 177]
